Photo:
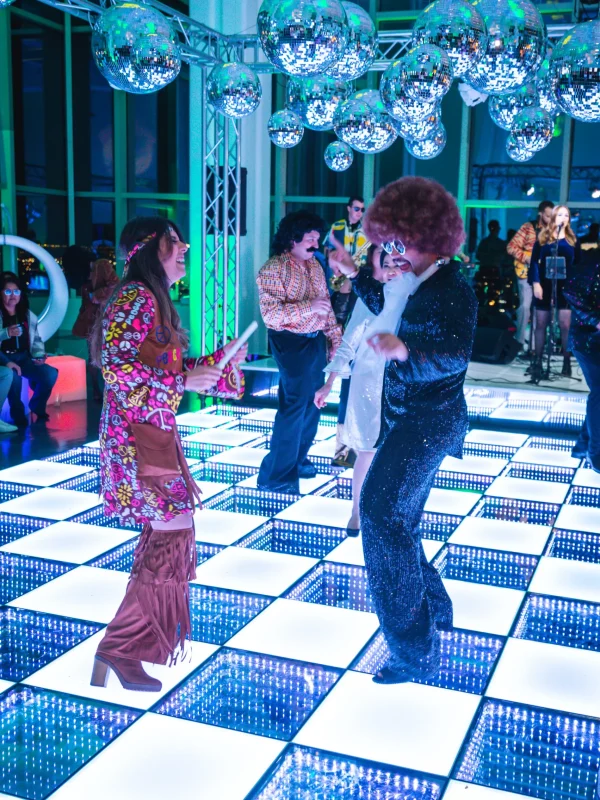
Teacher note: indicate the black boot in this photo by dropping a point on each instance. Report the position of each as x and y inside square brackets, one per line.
[536, 370]
[566, 367]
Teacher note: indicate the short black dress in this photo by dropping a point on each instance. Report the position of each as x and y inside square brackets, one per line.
[537, 270]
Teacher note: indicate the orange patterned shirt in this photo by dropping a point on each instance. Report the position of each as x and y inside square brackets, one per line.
[285, 291]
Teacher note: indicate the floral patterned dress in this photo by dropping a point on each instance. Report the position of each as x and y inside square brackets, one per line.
[139, 392]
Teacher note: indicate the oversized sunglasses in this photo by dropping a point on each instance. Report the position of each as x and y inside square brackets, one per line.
[8, 292]
[396, 244]
[358, 208]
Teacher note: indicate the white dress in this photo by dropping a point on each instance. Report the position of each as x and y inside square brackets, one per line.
[363, 413]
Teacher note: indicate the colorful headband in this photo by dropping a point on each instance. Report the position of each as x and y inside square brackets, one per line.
[137, 247]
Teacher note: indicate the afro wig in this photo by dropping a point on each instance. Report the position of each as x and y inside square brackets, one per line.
[418, 211]
[292, 229]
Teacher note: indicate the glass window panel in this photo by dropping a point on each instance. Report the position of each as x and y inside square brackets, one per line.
[95, 225]
[585, 171]
[510, 220]
[177, 210]
[42, 219]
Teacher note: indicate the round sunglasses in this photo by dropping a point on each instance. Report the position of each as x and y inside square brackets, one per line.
[396, 244]
[9, 292]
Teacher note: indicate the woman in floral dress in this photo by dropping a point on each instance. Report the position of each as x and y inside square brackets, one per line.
[139, 345]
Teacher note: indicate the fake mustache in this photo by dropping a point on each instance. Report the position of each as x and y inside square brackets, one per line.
[311, 249]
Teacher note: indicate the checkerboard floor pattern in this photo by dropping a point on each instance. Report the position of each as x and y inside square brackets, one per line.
[276, 701]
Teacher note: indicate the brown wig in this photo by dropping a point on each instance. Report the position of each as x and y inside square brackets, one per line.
[548, 232]
[418, 211]
[22, 306]
[144, 267]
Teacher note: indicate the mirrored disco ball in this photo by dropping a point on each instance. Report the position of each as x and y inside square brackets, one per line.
[504, 108]
[532, 129]
[575, 65]
[6, 3]
[545, 84]
[426, 73]
[135, 48]
[285, 128]
[339, 156]
[456, 27]
[363, 122]
[428, 148]
[234, 89]
[515, 46]
[516, 152]
[396, 99]
[315, 100]
[263, 20]
[305, 37]
[361, 48]
[419, 130]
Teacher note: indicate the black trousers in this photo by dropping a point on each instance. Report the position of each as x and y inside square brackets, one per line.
[410, 599]
[301, 361]
[590, 433]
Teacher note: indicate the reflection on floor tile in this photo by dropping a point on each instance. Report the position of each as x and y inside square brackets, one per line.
[511, 510]
[575, 545]
[218, 614]
[438, 526]
[478, 565]
[340, 585]
[294, 538]
[571, 623]
[240, 500]
[121, 558]
[19, 574]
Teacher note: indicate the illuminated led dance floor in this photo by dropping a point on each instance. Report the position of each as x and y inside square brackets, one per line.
[276, 701]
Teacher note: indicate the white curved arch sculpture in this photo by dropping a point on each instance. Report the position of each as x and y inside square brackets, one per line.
[56, 307]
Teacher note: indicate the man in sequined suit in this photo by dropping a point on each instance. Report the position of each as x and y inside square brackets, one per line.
[424, 415]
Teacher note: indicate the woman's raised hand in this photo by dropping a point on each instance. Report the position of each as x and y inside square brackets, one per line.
[241, 353]
[202, 378]
[341, 260]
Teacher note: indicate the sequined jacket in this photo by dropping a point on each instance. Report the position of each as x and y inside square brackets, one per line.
[425, 392]
[583, 295]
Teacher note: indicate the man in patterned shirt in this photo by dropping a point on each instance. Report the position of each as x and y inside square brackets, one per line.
[295, 307]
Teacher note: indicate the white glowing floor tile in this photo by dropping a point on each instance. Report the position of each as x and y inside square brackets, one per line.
[548, 675]
[350, 551]
[458, 790]
[410, 725]
[524, 489]
[496, 534]
[224, 437]
[161, 756]
[587, 477]
[449, 501]
[71, 673]
[261, 415]
[325, 449]
[69, 541]
[474, 465]
[95, 445]
[319, 511]
[567, 578]
[547, 457]
[348, 474]
[481, 436]
[210, 489]
[308, 632]
[569, 407]
[84, 593]
[4, 685]
[240, 456]
[199, 419]
[579, 518]
[521, 414]
[307, 485]
[224, 527]
[250, 570]
[485, 402]
[324, 432]
[431, 548]
[57, 504]
[42, 473]
[479, 607]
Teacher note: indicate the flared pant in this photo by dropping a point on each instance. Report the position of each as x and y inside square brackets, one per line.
[153, 621]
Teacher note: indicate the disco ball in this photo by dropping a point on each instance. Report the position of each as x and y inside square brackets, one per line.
[361, 48]
[135, 48]
[426, 73]
[263, 20]
[575, 65]
[457, 28]
[285, 128]
[419, 130]
[428, 148]
[504, 108]
[545, 83]
[396, 99]
[339, 156]
[6, 3]
[305, 37]
[516, 152]
[315, 100]
[532, 129]
[363, 122]
[234, 89]
[515, 46]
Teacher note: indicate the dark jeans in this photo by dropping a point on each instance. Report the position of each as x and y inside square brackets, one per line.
[590, 434]
[41, 377]
[301, 361]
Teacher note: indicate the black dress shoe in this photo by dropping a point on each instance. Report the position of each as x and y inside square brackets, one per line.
[352, 531]
[279, 488]
[42, 417]
[307, 470]
[579, 451]
[21, 422]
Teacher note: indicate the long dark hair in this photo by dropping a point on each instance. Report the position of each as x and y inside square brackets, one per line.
[23, 304]
[292, 229]
[144, 267]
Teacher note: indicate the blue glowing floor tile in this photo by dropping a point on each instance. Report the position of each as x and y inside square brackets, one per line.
[564, 420]
[336, 488]
[510, 510]
[217, 614]
[332, 584]
[14, 526]
[445, 479]
[547, 443]
[532, 751]
[96, 516]
[250, 692]
[438, 526]
[47, 736]
[8, 491]
[242, 500]
[217, 472]
[574, 545]
[84, 483]
[121, 557]
[480, 565]
[83, 456]
[29, 640]
[303, 773]
[467, 659]
[201, 450]
[489, 450]
[555, 620]
[584, 496]
[294, 538]
[22, 574]
[538, 472]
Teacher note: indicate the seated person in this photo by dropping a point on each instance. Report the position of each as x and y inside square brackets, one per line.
[22, 349]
